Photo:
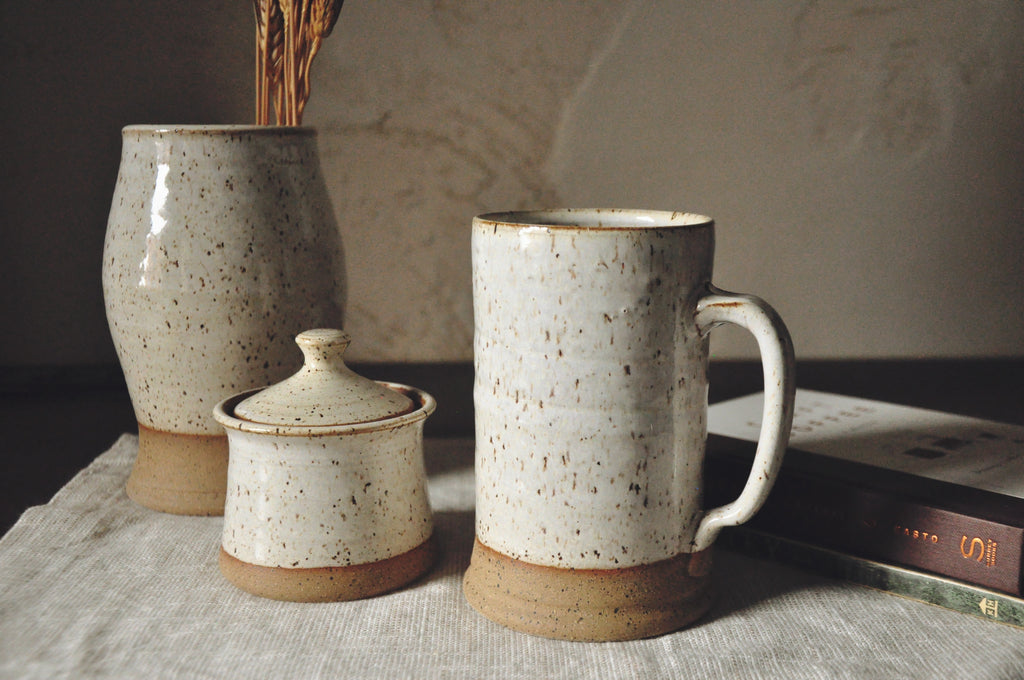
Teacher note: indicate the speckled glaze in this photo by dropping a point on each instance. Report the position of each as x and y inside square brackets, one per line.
[220, 247]
[325, 391]
[591, 352]
[318, 510]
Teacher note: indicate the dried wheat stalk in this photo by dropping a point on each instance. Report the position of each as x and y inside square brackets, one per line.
[288, 36]
[269, 54]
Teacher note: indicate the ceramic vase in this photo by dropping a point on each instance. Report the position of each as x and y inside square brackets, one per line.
[221, 246]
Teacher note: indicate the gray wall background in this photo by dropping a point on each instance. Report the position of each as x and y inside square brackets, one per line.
[864, 160]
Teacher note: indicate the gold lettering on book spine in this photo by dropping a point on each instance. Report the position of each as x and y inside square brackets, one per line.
[979, 550]
[915, 534]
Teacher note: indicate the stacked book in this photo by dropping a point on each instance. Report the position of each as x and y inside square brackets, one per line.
[918, 503]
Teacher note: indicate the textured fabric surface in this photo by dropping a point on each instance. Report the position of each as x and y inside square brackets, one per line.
[94, 586]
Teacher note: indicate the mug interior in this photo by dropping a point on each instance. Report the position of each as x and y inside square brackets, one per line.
[597, 218]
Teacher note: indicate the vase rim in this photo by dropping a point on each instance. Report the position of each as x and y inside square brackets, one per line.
[216, 129]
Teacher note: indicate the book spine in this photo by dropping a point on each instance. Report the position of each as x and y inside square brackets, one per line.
[923, 587]
[874, 524]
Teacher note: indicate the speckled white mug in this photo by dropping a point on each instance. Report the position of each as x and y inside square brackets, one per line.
[591, 353]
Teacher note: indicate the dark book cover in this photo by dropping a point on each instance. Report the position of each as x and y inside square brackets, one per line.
[972, 534]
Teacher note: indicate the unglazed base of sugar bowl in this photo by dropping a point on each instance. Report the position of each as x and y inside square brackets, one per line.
[589, 605]
[180, 473]
[330, 584]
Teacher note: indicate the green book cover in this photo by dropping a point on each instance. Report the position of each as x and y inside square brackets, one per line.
[920, 586]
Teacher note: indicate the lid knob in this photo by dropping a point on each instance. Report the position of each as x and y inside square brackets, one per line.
[325, 391]
[324, 348]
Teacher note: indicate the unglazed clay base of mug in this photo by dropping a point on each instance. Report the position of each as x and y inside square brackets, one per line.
[330, 584]
[589, 605]
[180, 473]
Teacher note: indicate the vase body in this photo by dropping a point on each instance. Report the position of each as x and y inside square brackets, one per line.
[220, 248]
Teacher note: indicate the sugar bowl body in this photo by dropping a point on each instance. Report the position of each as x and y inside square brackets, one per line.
[331, 511]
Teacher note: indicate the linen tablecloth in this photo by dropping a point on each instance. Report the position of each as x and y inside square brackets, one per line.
[94, 586]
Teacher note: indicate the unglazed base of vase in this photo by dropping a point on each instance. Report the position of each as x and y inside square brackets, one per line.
[589, 605]
[330, 584]
[180, 473]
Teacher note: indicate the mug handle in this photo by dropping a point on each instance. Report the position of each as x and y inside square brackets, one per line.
[754, 314]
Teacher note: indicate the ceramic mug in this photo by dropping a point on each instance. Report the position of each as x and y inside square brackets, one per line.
[591, 355]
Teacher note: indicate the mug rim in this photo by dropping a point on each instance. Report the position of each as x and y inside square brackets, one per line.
[596, 219]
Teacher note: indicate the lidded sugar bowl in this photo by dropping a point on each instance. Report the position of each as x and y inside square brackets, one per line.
[327, 494]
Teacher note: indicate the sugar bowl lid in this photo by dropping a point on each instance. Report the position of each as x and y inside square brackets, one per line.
[324, 391]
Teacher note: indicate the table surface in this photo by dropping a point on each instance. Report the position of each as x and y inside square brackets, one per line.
[95, 586]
